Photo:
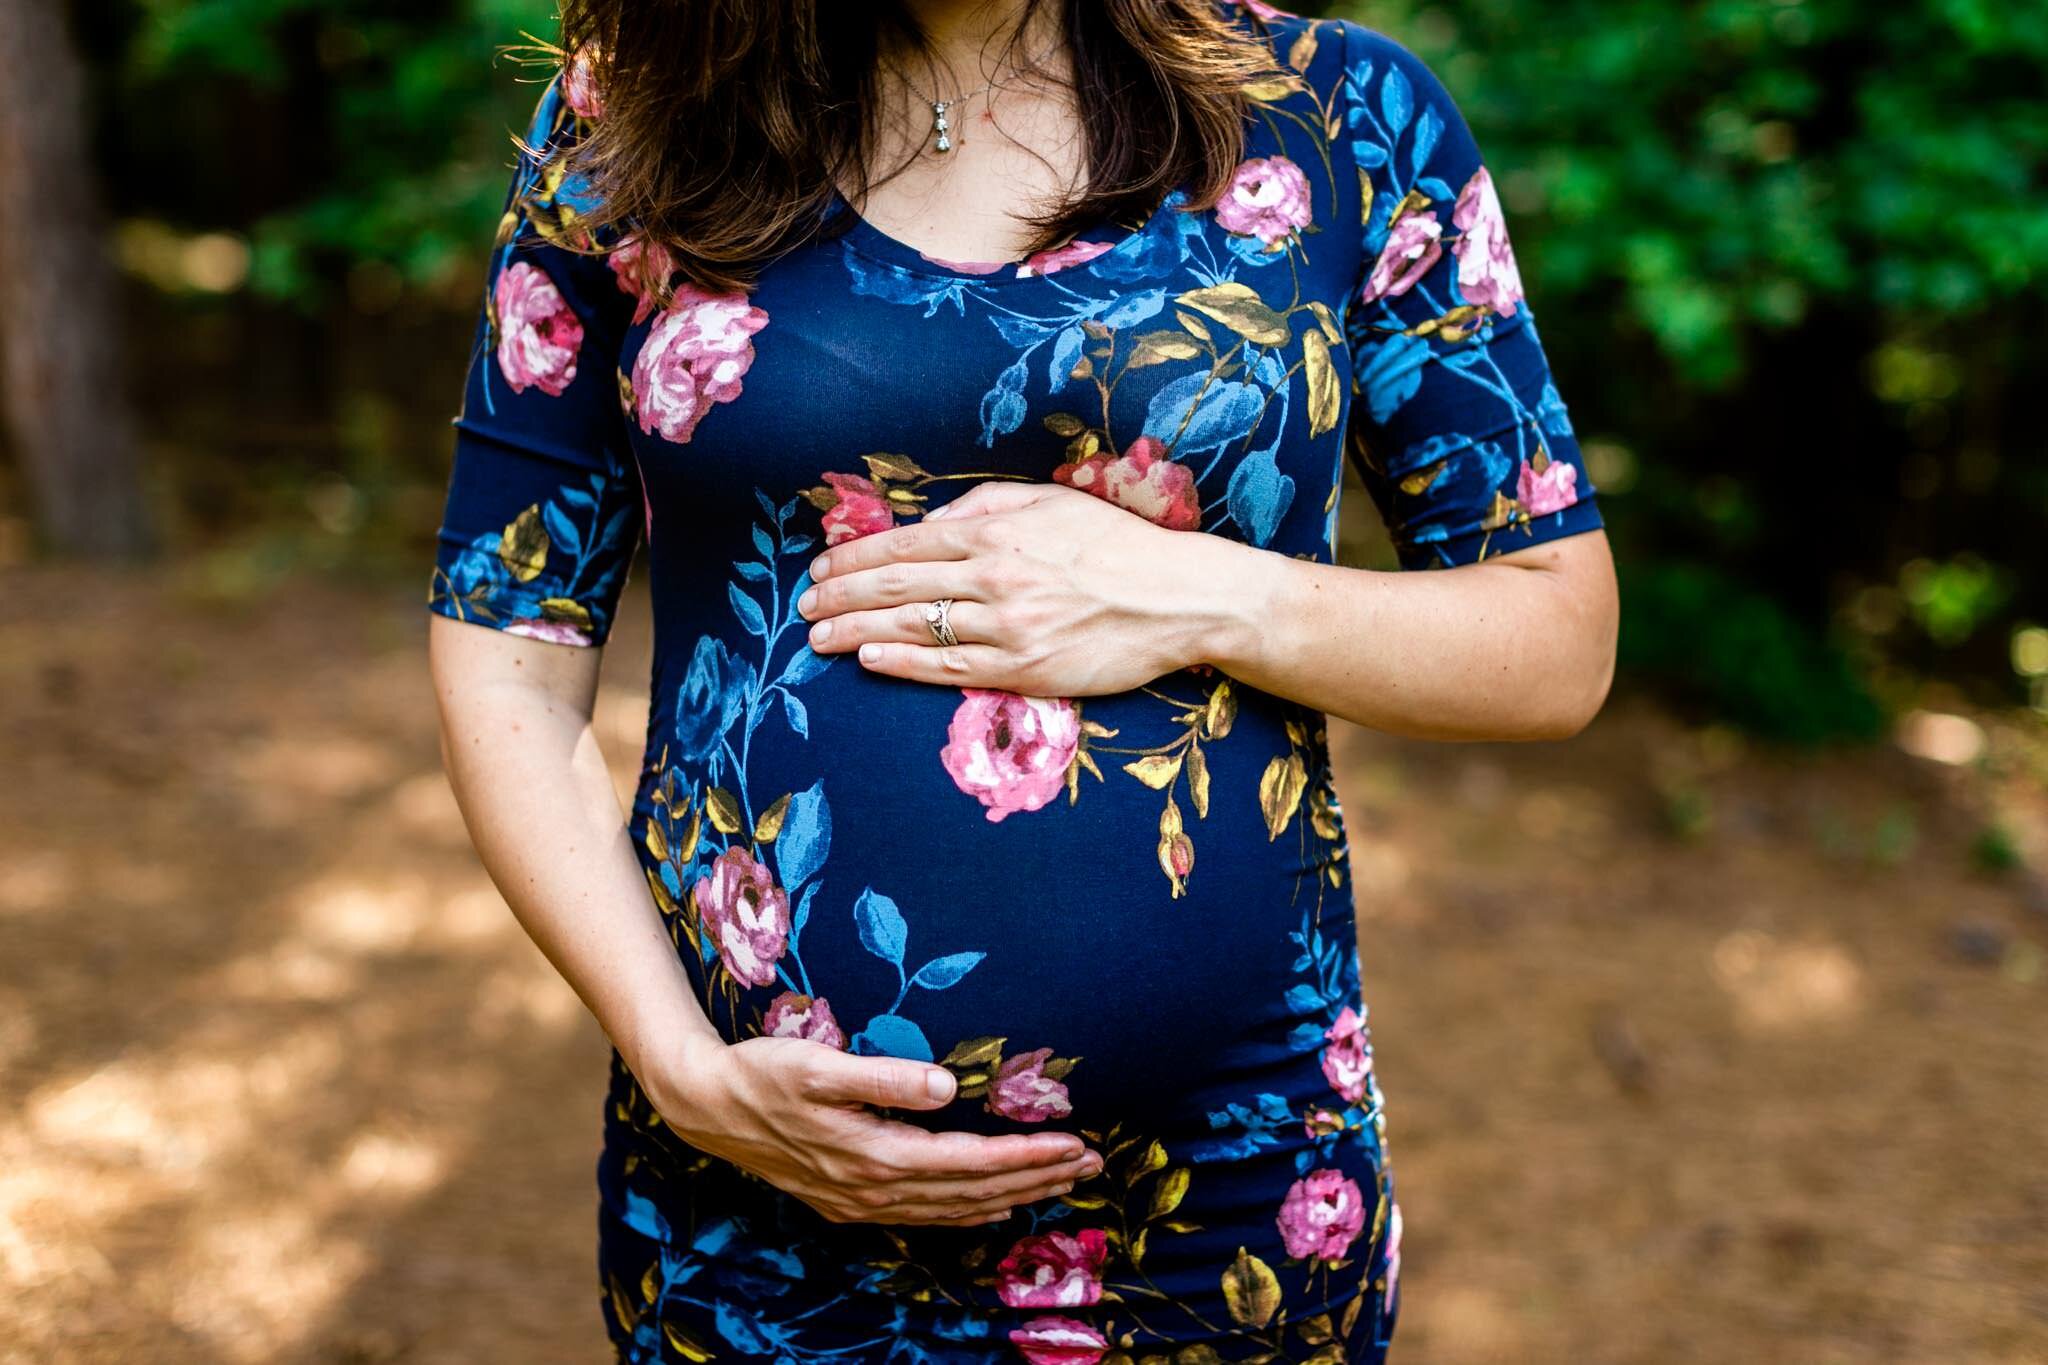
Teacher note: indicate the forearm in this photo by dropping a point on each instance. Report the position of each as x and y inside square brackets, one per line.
[1517, 647]
[541, 810]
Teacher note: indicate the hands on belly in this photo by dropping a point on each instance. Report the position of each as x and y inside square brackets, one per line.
[795, 1113]
[1056, 593]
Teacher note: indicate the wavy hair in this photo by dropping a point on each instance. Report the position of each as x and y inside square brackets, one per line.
[729, 126]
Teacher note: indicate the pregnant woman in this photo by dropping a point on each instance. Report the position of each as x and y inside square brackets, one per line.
[979, 377]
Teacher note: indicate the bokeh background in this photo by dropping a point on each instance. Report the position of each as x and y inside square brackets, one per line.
[1713, 1034]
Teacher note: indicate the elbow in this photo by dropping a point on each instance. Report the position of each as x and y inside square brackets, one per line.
[1585, 689]
[1575, 707]
[1588, 616]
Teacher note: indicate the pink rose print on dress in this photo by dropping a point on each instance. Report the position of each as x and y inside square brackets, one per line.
[628, 259]
[538, 333]
[1347, 1061]
[860, 511]
[1551, 489]
[1413, 246]
[1268, 199]
[1059, 1341]
[1487, 274]
[1054, 1270]
[1010, 752]
[794, 1015]
[1141, 480]
[1322, 1215]
[746, 915]
[693, 357]
[579, 85]
[554, 632]
[1060, 257]
[1022, 1091]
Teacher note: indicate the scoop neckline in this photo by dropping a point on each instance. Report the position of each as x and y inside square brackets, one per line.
[863, 236]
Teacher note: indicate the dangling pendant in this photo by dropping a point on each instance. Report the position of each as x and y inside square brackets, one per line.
[940, 126]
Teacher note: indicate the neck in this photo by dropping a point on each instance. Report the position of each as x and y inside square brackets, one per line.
[966, 24]
[977, 39]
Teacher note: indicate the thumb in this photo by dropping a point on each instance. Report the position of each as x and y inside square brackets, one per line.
[993, 496]
[890, 1082]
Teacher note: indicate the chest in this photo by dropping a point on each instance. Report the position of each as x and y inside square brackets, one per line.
[973, 202]
[1191, 369]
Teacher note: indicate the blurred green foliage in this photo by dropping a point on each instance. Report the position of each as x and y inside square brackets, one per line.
[1785, 253]
[1722, 165]
[1768, 675]
[380, 129]
[1787, 256]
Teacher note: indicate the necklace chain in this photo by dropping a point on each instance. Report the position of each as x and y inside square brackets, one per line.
[942, 127]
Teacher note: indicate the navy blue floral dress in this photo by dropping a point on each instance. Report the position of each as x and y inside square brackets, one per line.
[1127, 916]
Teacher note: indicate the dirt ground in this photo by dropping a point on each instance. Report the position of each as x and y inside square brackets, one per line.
[1694, 1052]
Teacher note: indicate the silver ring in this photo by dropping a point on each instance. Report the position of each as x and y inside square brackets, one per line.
[935, 616]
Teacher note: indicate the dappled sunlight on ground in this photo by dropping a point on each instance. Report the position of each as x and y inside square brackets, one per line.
[1692, 1053]
[1779, 986]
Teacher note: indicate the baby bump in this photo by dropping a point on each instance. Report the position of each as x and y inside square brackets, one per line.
[1075, 904]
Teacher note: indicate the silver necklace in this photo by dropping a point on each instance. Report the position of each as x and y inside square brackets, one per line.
[941, 125]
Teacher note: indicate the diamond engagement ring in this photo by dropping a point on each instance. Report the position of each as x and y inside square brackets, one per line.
[942, 629]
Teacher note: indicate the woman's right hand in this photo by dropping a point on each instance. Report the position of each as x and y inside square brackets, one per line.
[794, 1112]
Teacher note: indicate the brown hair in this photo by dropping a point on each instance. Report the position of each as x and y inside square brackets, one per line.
[727, 126]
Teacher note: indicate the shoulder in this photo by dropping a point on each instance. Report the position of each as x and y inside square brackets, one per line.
[1368, 85]
[550, 194]
[552, 239]
[1392, 102]
[569, 103]
[1311, 51]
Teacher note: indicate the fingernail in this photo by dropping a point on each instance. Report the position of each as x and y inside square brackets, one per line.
[821, 632]
[821, 566]
[1067, 1188]
[807, 601]
[939, 1084]
[1092, 1166]
[937, 512]
[870, 652]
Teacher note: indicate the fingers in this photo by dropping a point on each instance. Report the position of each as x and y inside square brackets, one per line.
[835, 1077]
[961, 665]
[1003, 1190]
[882, 1175]
[972, 622]
[911, 1152]
[899, 544]
[956, 1202]
[888, 585]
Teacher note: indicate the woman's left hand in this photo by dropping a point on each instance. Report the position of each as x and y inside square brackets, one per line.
[1055, 593]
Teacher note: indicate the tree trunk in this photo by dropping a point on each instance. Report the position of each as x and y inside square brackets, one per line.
[62, 385]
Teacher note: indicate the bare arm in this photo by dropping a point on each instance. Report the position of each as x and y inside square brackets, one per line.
[534, 791]
[539, 803]
[1517, 646]
[1064, 595]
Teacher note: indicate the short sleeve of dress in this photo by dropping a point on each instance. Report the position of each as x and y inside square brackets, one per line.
[544, 508]
[1456, 427]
